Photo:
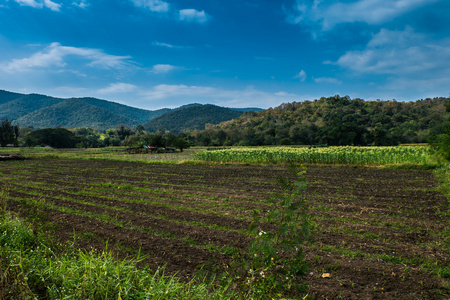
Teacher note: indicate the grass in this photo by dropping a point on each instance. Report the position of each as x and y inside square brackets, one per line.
[107, 153]
[33, 267]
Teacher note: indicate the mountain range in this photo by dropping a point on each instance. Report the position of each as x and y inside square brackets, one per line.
[41, 111]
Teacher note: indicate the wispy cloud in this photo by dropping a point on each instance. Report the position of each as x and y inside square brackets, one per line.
[52, 5]
[170, 46]
[153, 5]
[192, 15]
[55, 55]
[400, 53]
[118, 87]
[81, 4]
[411, 59]
[205, 94]
[160, 6]
[32, 3]
[301, 75]
[324, 15]
[327, 80]
[166, 45]
[40, 4]
[163, 68]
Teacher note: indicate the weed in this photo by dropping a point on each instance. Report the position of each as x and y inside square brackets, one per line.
[2, 202]
[276, 255]
[332, 267]
[37, 215]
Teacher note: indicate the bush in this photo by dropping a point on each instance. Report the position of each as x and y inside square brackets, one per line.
[276, 261]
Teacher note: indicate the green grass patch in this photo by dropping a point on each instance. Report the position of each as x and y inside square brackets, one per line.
[31, 267]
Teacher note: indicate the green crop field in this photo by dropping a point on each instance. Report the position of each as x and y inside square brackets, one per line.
[378, 232]
[417, 155]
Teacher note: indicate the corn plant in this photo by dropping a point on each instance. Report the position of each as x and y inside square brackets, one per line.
[324, 155]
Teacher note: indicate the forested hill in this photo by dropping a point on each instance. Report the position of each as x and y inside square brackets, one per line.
[40, 111]
[73, 113]
[192, 118]
[333, 121]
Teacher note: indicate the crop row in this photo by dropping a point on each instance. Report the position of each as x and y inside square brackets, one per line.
[390, 215]
[324, 155]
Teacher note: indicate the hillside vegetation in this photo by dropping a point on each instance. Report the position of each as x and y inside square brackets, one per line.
[331, 121]
[74, 113]
[193, 117]
[40, 111]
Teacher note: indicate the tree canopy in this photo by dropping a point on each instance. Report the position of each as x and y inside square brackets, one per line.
[8, 133]
[334, 121]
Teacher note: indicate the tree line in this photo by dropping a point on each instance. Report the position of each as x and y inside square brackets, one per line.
[87, 137]
[327, 121]
[333, 121]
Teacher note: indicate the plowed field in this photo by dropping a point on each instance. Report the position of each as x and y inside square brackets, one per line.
[381, 234]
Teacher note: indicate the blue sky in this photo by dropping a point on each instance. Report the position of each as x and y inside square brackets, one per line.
[237, 53]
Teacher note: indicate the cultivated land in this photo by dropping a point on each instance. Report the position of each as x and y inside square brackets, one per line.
[381, 234]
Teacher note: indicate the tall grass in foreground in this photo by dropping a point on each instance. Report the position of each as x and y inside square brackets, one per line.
[31, 269]
[417, 155]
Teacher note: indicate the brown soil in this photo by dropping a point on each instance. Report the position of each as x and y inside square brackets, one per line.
[378, 230]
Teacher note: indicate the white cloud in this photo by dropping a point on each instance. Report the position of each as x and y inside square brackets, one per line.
[54, 56]
[412, 60]
[39, 4]
[403, 53]
[170, 46]
[52, 5]
[163, 91]
[327, 80]
[81, 4]
[326, 14]
[159, 44]
[32, 3]
[118, 87]
[230, 98]
[153, 5]
[192, 15]
[301, 75]
[163, 68]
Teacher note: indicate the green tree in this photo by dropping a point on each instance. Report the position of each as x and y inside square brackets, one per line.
[123, 131]
[156, 140]
[54, 137]
[140, 128]
[8, 133]
[181, 144]
[441, 142]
